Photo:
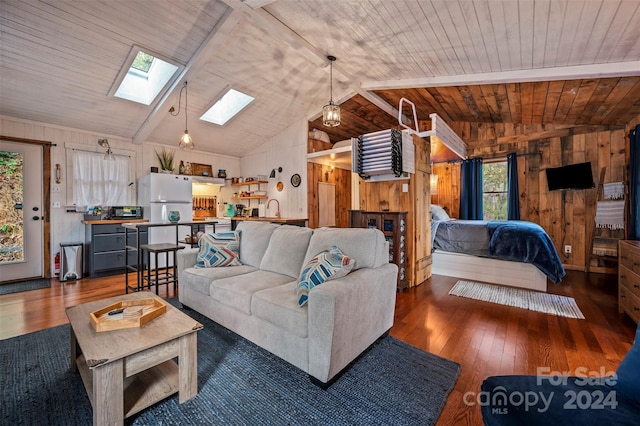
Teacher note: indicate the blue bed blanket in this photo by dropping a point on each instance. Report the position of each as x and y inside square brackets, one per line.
[514, 240]
[525, 242]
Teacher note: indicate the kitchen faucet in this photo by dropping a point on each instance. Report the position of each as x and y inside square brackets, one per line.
[277, 204]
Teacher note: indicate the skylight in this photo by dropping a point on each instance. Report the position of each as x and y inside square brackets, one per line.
[146, 76]
[227, 107]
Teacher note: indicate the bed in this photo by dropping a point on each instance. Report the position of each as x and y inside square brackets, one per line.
[513, 253]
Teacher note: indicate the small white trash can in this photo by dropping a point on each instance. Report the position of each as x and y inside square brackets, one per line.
[70, 261]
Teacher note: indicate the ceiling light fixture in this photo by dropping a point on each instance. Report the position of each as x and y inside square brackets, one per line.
[104, 143]
[331, 111]
[185, 141]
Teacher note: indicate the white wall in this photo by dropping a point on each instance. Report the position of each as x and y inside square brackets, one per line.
[287, 150]
[67, 226]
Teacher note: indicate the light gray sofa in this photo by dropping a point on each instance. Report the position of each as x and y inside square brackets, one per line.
[258, 301]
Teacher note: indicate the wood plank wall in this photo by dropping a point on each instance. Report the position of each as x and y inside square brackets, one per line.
[448, 194]
[319, 173]
[567, 216]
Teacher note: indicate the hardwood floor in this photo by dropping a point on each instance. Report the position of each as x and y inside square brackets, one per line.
[486, 339]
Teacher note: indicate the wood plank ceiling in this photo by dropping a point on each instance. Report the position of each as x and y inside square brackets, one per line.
[607, 101]
[557, 61]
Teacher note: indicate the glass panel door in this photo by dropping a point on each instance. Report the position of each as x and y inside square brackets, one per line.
[21, 203]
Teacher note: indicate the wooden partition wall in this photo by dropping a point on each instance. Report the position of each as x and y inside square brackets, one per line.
[567, 216]
[414, 201]
[319, 173]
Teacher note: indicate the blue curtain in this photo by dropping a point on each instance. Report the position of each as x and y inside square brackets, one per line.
[471, 189]
[634, 184]
[513, 193]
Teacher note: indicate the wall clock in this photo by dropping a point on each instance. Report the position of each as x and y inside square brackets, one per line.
[295, 180]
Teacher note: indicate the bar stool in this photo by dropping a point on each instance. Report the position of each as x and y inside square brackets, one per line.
[166, 277]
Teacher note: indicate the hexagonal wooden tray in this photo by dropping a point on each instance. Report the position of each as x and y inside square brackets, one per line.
[151, 308]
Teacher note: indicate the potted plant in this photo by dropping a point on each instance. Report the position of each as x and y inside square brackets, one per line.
[166, 160]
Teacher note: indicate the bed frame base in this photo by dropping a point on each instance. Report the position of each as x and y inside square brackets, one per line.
[494, 271]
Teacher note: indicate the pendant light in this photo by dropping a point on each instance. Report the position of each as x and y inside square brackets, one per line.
[331, 111]
[186, 142]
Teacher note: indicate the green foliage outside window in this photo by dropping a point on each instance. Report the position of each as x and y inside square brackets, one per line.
[494, 182]
[142, 62]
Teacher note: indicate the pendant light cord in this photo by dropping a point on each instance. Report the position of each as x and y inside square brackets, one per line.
[186, 104]
[331, 59]
[172, 110]
[331, 85]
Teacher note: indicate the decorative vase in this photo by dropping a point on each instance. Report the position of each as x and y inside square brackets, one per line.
[222, 173]
[174, 216]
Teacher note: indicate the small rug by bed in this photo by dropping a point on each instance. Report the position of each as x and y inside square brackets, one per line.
[25, 286]
[521, 298]
[239, 383]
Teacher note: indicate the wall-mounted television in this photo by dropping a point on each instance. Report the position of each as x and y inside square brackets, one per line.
[573, 176]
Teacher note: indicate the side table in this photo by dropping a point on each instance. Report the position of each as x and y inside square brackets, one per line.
[125, 371]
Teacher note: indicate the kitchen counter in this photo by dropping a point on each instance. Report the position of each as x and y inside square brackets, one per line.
[270, 219]
[111, 221]
[281, 220]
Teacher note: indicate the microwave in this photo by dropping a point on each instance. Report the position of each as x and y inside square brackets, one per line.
[125, 212]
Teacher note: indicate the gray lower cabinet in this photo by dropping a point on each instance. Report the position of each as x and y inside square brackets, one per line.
[106, 249]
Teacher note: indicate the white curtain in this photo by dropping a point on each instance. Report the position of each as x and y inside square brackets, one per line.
[98, 181]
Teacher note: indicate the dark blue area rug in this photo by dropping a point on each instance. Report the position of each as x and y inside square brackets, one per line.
[25, 286]
[239, 383]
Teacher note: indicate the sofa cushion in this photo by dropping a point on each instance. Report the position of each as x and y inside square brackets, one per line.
[219, 249]
[286, 250]
[199, 279]
[254, 240]
[279, 306]
[365, 246]
[628, 372]
[327, 265]
[237, 291]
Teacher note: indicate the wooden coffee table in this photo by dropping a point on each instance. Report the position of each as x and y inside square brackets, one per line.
[125, 371]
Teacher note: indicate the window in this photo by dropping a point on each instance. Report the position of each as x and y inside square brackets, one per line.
[143, 76]
[227, 107]
[94, 180]
[494, 190]
[99, 181]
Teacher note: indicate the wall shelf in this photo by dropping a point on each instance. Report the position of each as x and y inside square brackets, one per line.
[251, 197]
[250, 182]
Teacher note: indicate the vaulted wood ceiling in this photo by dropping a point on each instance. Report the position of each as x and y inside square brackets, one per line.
[606, 101]
[560, 61]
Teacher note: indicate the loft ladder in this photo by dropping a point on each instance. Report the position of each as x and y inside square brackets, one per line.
[603, 238]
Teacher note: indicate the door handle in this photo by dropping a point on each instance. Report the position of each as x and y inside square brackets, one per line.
[35, 209]
[36, 218]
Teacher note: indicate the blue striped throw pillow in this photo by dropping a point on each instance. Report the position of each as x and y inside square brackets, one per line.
[326, 265]
[219, 249]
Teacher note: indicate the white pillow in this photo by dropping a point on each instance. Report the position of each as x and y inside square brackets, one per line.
[438, 213]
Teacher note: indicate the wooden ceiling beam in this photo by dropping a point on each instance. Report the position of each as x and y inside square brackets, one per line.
[618, 69]
[214, 41]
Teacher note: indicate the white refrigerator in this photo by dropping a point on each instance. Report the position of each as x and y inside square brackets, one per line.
[158, 194]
